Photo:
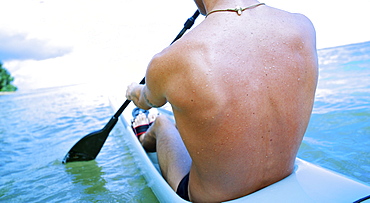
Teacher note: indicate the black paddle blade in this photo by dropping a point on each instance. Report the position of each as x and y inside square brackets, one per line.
[88, 147]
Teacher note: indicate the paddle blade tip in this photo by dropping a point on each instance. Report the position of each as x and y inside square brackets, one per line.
[72, 156]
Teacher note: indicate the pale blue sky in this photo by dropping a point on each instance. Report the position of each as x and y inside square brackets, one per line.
[59, 42]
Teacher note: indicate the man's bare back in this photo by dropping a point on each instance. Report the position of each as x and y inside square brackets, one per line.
[242, 91]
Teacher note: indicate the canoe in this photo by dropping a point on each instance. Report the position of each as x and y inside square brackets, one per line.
[308, 182]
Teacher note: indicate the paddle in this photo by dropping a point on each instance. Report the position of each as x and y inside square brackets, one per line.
[88, 147]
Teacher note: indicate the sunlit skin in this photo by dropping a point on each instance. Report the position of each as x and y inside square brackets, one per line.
[242, 90]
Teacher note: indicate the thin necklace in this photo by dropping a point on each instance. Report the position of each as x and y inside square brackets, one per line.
[239, 10]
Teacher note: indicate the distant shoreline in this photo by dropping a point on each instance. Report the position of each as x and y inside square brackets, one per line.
[6, 93]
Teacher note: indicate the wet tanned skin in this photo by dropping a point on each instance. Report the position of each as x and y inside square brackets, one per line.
[242, 91]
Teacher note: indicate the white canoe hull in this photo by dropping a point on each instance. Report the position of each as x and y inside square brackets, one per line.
[308, 182]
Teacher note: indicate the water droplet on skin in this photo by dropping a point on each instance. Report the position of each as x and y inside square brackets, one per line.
[299, 79]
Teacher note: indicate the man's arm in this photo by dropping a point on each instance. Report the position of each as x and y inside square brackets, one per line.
[142, 97]
[152, 94]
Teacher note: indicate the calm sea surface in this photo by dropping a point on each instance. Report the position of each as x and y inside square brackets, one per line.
[38, 127]
[338, 136]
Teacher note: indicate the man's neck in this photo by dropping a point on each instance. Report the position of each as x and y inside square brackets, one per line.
[226, 4]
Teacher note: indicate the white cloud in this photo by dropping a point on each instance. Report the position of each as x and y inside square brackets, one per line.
[19, 47]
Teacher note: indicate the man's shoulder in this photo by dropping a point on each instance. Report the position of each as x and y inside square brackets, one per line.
[302, 20]
[178, 52]
[171, 59]
[303, 27]
[282, 15]
[287, 14]
[299, 21]
[293, 25]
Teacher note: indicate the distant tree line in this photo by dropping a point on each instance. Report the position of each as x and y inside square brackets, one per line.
[5, 80]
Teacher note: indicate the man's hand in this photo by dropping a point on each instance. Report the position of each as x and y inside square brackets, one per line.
[139, 95]
[133, 92]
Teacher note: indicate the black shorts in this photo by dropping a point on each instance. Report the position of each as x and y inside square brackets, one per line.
[182, 189]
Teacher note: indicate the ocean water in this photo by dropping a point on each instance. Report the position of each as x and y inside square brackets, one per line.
[38, 127]
[36, 131]
[338, 136]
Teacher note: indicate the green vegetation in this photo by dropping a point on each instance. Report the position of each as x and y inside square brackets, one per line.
[5, 80]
